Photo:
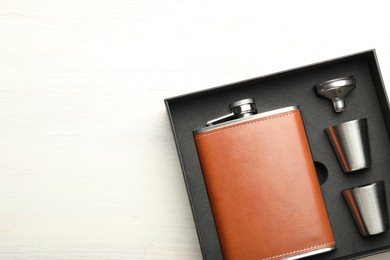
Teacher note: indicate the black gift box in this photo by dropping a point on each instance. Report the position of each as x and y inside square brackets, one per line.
[295, 87]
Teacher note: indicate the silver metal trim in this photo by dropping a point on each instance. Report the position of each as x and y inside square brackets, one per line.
[240, 120]
[316, 252]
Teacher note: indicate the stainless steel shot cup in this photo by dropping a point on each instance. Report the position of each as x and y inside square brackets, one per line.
[351, 145]
[368, 207]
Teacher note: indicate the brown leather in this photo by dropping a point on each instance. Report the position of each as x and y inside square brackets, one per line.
[263, 189]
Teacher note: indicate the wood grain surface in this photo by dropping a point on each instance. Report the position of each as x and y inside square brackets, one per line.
[88, 165]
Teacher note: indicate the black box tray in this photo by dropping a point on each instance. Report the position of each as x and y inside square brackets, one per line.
[295, 87]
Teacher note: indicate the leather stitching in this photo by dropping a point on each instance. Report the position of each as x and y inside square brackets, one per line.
[247, 124]
[296, 251]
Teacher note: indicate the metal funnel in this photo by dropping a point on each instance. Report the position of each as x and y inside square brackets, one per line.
[336, 90]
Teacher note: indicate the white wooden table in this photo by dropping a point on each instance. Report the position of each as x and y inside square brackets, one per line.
[88, 166]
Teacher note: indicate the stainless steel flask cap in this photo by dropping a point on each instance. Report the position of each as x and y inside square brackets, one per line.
[336, 90]
[241, 108]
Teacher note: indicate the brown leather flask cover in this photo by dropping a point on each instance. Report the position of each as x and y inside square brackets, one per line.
[263, 188]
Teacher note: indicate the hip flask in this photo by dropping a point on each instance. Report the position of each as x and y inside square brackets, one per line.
[262, 184]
